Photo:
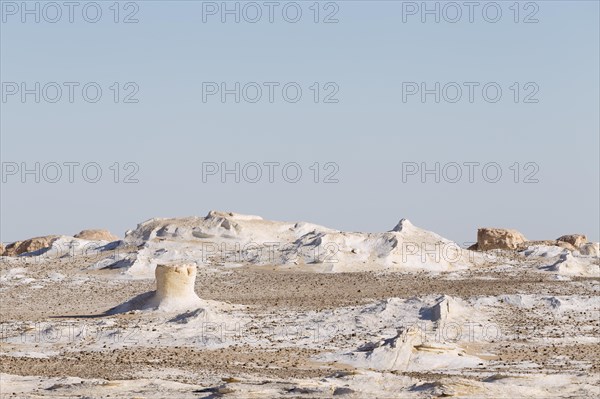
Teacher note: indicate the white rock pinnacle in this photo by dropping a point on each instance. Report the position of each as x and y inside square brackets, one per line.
[174, 292]
[175, 286]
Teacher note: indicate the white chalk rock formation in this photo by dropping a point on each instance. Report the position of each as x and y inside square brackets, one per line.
[175, 287]
[224, 238]
[445, 308]
[409, 350]
[590, 249]
[393, 353]
[174, 292]
[570, 265]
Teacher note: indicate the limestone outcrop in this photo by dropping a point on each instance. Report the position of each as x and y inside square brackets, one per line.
[494, 238]
[30, 245]
[576, 240]
[96, 235]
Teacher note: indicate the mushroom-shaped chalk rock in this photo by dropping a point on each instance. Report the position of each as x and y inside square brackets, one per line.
[174, 291]
[175, 287]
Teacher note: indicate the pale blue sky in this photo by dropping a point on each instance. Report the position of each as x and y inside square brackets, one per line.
[369, 133]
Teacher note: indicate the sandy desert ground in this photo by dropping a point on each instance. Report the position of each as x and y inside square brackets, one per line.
[400, 314]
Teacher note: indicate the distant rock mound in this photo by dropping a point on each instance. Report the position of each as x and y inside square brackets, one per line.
[509, 239]
[215, 224]
[96, 235]
[494, 238]
[576, 240]
[33, 244]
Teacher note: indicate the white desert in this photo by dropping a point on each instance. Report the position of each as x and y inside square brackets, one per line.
[236, 306]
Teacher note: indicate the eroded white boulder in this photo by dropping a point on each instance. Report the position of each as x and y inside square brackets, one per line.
[590, 249]
[570, 265]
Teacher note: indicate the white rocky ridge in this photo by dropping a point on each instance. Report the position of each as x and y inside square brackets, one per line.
[232, 239]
